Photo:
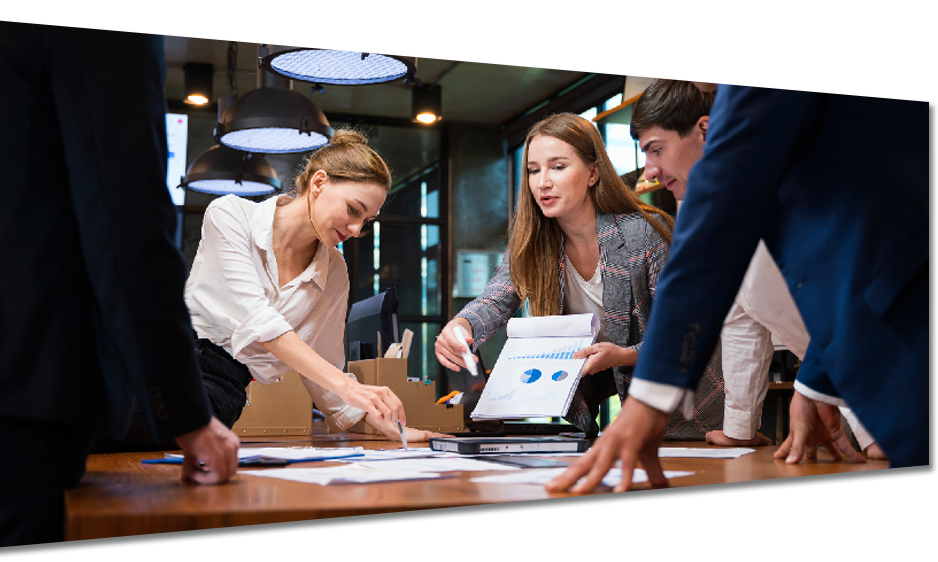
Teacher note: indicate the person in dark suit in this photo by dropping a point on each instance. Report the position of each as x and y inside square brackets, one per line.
[91, 306]
[804, 171]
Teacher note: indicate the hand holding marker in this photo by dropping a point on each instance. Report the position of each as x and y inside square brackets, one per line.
[466, 355]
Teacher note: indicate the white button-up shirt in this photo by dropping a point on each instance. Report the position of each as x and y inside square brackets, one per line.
[763, 310]
[236, 299]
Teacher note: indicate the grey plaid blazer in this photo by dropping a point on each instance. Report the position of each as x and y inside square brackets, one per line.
[631, 256]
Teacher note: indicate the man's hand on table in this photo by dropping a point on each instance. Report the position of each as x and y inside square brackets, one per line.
[875, 452]
[634, 436]
[815, 423]
[717, 437]
[216, 447]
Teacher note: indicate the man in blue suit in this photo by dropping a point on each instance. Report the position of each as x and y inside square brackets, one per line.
[803, 171]
[91, 299]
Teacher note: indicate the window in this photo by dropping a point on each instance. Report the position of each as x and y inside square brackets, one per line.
[405, 247]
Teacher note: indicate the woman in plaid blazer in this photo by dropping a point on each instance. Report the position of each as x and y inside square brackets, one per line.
[582, 241]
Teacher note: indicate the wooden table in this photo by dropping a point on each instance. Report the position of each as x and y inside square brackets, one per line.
[120, 497]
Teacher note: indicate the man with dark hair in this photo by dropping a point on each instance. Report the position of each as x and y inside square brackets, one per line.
[793, 169]
[670, 122]
[91, 307]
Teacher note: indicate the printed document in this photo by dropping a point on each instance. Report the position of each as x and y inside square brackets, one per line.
[535, 374]
[541, 476]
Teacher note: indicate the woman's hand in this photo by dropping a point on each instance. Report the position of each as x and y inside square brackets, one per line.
[390, 430]
[378, 402]
[605, 355]
[448, 348]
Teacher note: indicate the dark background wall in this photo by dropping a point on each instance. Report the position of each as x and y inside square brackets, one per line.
[480, 204]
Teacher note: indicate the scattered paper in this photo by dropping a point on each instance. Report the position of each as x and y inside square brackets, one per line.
[294, 454]
[541, 476]
[698, 453]
[444, 464]
[345, 474]
[397, 454]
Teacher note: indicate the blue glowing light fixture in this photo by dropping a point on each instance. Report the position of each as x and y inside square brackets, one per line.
[346, 68]
[221, 170]
[273, 120]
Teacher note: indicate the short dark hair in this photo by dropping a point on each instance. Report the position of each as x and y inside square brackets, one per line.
[673, 105]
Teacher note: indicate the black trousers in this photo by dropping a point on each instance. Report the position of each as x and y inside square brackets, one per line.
[226, 380]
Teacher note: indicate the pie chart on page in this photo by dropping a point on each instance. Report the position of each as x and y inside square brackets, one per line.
[530, 376]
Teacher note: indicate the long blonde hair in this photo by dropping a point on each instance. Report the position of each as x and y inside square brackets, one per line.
[534, 240]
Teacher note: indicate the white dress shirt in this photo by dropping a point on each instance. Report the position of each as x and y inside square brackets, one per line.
[763, 309]
[236, 299]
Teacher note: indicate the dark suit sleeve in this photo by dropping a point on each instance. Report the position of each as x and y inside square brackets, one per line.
[754, 134]
[109, 97]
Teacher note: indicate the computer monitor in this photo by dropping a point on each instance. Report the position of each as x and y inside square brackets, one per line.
[368, 318]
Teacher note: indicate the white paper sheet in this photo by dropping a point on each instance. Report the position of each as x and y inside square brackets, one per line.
[696, 453]
[541, 476]
[292, 453]
[535, 374]
[345, 474]
[397, 454]
[446, 464]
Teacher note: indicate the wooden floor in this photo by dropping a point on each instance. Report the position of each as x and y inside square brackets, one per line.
[120, 497]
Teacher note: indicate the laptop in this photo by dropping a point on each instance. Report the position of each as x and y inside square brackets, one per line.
[486, 445]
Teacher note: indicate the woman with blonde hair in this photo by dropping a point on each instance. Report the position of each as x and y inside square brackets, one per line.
[581, 241]
[268, 290]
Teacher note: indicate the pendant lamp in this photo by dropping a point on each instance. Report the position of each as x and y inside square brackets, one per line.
[273, 119]
[345, 52]
[221, 170]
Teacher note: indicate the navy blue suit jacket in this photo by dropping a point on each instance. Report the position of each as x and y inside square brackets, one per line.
[838, 188]
[91, 297]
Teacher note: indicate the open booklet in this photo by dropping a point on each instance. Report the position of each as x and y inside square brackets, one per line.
[536, 374]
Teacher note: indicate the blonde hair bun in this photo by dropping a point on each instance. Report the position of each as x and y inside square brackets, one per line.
[348, 136]
[347, 157]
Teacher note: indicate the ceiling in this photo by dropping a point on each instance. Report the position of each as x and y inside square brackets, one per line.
[480, 93]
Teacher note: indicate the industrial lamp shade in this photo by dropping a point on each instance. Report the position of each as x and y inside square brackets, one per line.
[221, 170]
[519, 39]
[346, 68]
[273, 120]
[198, 82]
[427, 104]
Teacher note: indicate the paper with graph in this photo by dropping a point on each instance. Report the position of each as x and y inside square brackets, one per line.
[536, 374]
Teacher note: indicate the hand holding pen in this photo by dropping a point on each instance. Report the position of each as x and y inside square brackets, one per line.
[453, 346]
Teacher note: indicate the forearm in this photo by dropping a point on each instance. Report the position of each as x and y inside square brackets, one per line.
[746, 355]
[628, 356]
[490, 311]
[294, 353]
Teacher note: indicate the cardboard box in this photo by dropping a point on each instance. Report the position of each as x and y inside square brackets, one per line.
[419, 399]
[280, 408]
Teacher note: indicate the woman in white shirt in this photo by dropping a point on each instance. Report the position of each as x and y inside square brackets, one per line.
[268, 290]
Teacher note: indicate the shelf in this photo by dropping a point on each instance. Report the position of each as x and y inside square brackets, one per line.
[620, 114]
